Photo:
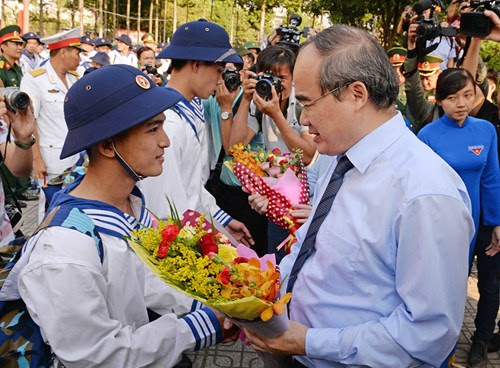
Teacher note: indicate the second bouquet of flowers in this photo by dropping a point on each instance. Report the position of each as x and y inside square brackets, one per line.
[191, 256]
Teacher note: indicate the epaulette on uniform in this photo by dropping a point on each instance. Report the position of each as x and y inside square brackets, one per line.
[2, 64]
[37, 72]
[73, 73]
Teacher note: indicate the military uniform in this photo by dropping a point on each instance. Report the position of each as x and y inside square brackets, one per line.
[397, 56]
[10, 74]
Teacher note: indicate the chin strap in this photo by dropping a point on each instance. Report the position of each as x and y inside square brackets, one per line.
[126, 167]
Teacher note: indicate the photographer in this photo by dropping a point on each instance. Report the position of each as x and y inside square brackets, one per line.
[277, 117]
[405, 20]
[16, 155]
[147, 60]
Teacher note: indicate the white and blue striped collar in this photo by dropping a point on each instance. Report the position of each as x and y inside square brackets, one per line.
[107, 218]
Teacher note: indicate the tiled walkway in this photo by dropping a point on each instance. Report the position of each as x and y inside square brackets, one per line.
[235, 355]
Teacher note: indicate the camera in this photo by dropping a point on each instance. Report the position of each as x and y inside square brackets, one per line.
[430, 29]
[265, 83]
[231, 79]
[475, 23]
[291, 34]
[15, 99]
[148, 69]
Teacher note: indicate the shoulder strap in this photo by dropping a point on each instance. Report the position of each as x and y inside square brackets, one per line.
[37, 72]
[75, 219]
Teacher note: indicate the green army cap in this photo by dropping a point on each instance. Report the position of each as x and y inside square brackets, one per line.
[430, 65]
[11, 33]
[251, 45]
[241, 50]
[397, 55]
[148, 38]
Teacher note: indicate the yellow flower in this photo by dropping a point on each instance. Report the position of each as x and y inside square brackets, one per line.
[227, 252]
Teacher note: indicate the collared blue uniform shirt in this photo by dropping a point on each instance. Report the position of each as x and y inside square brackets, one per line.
[386, 285]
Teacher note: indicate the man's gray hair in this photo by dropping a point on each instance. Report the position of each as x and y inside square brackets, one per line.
[351, 54]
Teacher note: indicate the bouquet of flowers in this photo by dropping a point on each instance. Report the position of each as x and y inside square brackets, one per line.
[281, 177]
[191, 256]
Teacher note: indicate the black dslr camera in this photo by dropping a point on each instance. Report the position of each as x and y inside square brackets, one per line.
[430, 29]
[15, 99]
[231, 79]
[265, 83]
[290, 36]
[475, 23]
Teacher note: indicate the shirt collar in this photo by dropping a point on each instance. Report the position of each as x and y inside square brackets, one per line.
[371, 146]
[447, 121]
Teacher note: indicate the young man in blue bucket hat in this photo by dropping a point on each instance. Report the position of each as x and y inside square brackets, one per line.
[198, 51]
[86, 290]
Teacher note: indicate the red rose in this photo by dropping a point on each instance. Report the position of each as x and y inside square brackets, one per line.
[170, 233]
[163, 249]
[225, 276]
[207, 244]
[276, 151]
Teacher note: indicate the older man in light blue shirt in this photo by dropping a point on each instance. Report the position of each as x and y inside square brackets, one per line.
[384, 283]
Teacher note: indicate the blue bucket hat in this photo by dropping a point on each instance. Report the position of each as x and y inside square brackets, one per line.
[101, 58]
[31, 36]
[125, 39]
[102, 42]
[108, 102]
[203, 41]
[87, 40]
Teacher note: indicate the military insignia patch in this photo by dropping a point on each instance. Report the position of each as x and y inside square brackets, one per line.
[142, 81]
[476, 149]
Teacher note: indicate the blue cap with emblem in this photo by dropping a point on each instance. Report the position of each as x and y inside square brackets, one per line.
[203, 41]
[87, 40]
[125, 39]
[108, 102]
[31, 36]
[102, 42]
[101, 58]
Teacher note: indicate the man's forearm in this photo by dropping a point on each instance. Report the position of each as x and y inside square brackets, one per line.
[239, 128]
[18, 160]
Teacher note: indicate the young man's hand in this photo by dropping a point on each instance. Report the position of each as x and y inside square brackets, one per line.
[270, 107]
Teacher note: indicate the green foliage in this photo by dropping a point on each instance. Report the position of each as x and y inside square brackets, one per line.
[490, 52]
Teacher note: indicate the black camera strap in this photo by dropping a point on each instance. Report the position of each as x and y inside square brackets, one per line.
[460, 61]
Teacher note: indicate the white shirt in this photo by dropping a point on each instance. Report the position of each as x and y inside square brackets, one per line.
[95, 314]
[29, 64]
[387, 282]
[116, 57]
[47, 93]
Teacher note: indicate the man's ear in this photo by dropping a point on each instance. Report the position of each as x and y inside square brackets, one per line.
[359, 93]
[105, 148]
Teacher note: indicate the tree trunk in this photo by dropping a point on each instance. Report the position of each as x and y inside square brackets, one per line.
[165, 22]
[73, 14]
[80, 8]
[151, 17]
[128, 16]
[115, 6]
[157, 25]
[262, 21]
[40, 26]
[231, 35]
[174, 21]
[26, 16]
[106, 18]
[138, 18]
[99, 18]
[187, 11]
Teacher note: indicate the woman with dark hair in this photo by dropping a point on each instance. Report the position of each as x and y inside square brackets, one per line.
[468, 145]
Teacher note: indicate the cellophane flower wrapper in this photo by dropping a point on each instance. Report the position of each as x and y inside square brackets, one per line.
[201, 277]
[283, 190]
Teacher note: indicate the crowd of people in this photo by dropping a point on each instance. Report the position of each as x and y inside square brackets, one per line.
[402, 154]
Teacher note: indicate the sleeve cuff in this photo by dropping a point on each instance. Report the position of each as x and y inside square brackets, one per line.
[195, 306]
[322, 343]
[205, 328]
[222, 217]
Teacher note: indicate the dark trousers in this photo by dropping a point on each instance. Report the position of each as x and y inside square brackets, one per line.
[276, 235]
[488, 285]
[15, 184]
[234, 201]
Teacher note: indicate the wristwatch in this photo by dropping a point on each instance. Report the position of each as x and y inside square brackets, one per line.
[224, 115]
[25, 145]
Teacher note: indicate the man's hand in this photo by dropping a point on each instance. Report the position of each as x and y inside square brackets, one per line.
[230, 332]
[292, 342]
[301, 212]
[412, 36]
[23, 124]
[494, 246]
[248, 84]
[271, 107]
[258, 203]
[39, 168]
[240, 232]
[495, 31]
[224, 97]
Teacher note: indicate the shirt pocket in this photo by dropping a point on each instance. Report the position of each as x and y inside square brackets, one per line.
[54, 97]
[338, 258]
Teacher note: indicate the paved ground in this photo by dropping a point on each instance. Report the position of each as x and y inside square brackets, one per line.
[236, 355]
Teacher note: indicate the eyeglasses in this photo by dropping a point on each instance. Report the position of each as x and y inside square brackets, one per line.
[310, 103]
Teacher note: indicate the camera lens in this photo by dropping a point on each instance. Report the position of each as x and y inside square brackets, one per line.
[20, 101]
[264, 88]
